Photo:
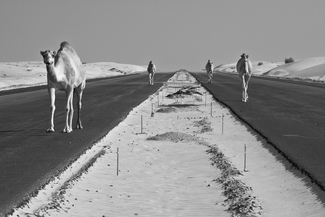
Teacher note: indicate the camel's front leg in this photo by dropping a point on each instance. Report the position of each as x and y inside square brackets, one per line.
[245, 94]
[69, 111]
[52, 107]
[150, 78]
[79, 93]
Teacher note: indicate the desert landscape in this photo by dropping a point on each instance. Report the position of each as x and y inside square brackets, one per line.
[32, 73]
[309, 69]
[179, 153]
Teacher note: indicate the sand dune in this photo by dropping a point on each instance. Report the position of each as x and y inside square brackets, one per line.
[310, 68]
[313, 68]
[32, 73]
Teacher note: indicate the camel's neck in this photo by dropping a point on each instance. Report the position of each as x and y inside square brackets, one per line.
[54, 73]
[247, 66]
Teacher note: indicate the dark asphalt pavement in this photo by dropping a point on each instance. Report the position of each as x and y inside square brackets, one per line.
[290, 115]
[30, 157]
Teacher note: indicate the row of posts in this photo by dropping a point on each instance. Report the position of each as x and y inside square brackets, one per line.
[211, 111]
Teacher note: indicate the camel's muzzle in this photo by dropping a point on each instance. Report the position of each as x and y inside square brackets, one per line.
[48, 63]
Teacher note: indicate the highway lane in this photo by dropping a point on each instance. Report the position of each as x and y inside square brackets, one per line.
[290, 115]
[29, 156]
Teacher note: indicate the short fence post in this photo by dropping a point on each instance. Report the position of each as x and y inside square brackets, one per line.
[222, 124]
[117, 168]
[245, 156]
[211, 109]
[141, 125]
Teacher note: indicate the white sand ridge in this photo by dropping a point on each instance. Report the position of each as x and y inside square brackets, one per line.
[33, 73]
[309, 69]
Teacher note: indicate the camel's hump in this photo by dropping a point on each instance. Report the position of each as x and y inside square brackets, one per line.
[64, 44]
[66, 47]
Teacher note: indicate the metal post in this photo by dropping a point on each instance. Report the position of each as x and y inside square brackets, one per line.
[245, 156]
[211, 109]
[117, 168]
[222, 124]
[141, 125]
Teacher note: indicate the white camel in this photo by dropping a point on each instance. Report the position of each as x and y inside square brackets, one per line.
[209, 69]
[151, 72]
[65, 72]
[244, 69]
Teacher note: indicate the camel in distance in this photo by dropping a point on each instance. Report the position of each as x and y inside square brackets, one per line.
[209, 70]
[244, 69]
[65, 73]
[151, 72]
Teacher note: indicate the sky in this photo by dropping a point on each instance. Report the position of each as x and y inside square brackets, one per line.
[174, 34]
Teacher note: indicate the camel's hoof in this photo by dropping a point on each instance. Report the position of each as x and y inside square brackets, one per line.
[65, 130]
[79, 127]
[50, 130]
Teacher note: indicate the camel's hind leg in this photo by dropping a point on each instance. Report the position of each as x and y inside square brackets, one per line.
[242, 79]
[52, 98]
[247, 78]
[69, 111]
[210, 77]
[150, 78]
[79, 91]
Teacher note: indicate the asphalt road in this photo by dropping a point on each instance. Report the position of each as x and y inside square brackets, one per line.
[30, 157]
[290, 115]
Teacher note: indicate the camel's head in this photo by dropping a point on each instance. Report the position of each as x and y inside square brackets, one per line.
[244, 56]
[48, 56]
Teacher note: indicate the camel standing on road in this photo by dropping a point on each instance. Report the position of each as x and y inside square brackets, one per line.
[209, 69]
[151, 72]
[244, 69]
[66, 73]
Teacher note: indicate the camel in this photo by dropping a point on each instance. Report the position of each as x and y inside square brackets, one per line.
[66, 73]
[151, 72]
[209, 69]
[244, 69]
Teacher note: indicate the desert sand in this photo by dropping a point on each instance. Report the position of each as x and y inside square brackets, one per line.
[310, 69]
[178, 155]
[33, 73]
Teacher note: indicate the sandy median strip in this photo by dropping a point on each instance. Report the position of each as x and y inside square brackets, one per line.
[175, 177]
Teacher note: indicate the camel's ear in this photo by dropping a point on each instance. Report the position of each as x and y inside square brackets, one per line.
[42, 52]
[54, 53]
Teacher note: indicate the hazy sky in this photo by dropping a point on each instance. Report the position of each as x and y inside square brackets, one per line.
[173, 33]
